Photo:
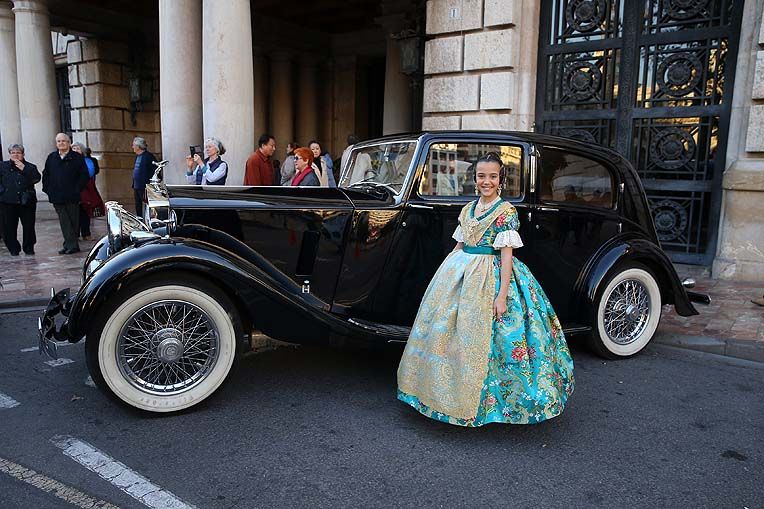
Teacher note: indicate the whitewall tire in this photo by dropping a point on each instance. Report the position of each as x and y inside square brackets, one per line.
[164, 348]
[627, 312]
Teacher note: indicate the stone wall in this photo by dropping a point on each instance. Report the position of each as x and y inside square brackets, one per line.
[480, 64]
[102, 116]
[740, 254]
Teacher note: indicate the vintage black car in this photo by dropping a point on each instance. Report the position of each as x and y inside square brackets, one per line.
[168, 301]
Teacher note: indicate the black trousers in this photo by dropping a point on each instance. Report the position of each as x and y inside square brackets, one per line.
[139, 195]
[84, 222]
[69, 219]
[12, 214]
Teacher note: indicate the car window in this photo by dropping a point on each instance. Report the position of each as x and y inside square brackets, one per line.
[450, 169]
[565, 177]
[384, 163]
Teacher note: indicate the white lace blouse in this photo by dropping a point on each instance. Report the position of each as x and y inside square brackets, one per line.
[508, 238]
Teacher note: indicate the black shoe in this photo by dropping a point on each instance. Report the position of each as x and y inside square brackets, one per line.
[30, 252]
[14, 254]
[63, 251]
[72, 251]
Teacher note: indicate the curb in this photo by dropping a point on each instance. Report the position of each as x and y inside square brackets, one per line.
[24, 303]
[750, 350]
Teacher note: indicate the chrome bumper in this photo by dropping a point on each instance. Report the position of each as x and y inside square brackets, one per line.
[46, 324]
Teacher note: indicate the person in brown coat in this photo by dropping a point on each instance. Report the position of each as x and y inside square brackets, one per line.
[259, 169]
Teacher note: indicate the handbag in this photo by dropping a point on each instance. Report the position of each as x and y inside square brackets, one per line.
[91, 200]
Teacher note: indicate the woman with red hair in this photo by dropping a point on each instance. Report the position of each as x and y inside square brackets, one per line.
[305, 170]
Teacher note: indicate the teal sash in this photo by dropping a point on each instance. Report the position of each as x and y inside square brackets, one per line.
[481, 250]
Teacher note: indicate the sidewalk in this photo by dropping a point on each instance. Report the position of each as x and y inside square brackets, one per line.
[731, 325]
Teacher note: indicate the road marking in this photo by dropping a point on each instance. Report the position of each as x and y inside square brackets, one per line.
[7, 401]
[58, 362]
[129, 481]
[36, 348]
[48, 485]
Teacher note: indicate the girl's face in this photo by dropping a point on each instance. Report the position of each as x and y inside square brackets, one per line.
[316, 149]
[488, 179]
[210, 149]
[300, 163]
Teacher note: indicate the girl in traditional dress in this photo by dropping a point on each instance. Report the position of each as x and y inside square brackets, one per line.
[486, 345]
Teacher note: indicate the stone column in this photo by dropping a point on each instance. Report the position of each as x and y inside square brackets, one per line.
[261, 93]
[282, 110]
[740, 250]
[227, 89]
[397, 115]
[38, 100]
[180, 82]
[10, 118]
[307, 125]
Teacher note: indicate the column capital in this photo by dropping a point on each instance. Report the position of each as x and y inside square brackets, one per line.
[40, 6]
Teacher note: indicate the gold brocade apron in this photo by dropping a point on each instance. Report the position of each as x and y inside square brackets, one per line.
[446, 358]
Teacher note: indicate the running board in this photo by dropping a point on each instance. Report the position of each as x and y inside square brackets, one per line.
[394, 333]
[576, 329]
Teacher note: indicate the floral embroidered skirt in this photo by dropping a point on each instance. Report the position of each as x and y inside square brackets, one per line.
[462, 366]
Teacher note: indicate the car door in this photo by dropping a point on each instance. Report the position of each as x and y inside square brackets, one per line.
[574, 213]
[444, 184]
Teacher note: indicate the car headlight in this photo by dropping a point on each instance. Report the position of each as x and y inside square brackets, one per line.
[120, 224]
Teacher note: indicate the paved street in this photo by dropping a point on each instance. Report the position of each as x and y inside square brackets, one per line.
[308, 427]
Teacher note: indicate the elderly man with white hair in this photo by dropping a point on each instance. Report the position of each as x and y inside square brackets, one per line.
[64, 176]
[143, 169]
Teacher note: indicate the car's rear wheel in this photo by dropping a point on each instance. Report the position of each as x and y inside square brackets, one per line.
[626, 313]
[164, 346]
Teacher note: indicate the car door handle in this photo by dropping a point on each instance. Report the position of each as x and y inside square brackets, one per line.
[418, 206]
[549, 209]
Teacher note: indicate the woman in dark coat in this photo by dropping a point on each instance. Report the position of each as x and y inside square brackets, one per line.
[89, 194]
[18, 200]
[305, 170]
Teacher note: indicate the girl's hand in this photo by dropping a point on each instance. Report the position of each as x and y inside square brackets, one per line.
[500, 306]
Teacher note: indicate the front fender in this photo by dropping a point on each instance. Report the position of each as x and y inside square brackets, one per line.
[265, 295]
[623, 250]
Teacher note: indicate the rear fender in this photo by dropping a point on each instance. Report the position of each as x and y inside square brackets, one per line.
[624, 250]
[266, 298]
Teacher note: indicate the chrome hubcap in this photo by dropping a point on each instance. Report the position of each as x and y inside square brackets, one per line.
[167, 347]
[627, 312]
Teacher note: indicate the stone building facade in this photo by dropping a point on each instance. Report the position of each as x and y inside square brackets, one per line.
[165, 70]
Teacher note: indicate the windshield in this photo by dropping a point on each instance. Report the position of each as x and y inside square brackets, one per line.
[385, 164]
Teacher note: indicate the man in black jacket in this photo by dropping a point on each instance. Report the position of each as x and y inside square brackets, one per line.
[143, 169]
[18, 200]
[64, 176]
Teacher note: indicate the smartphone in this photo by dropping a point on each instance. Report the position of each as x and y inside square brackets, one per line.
[196, 149]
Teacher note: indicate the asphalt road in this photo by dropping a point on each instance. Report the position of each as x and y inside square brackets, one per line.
[310, 427]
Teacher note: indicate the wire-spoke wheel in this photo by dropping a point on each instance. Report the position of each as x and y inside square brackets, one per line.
[164, 348]
[628, 312]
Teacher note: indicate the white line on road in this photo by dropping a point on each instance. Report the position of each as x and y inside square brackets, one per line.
[48, 485]
[129, 481]
[59, 362]
[36, 348]
[7, 401]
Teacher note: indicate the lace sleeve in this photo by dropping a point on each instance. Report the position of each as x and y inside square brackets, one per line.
[507, 238]
[458, 235]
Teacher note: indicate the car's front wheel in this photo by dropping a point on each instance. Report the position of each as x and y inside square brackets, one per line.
[627, 312]
[165, 346]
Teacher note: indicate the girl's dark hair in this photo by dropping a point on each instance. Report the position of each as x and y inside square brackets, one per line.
[492, 157]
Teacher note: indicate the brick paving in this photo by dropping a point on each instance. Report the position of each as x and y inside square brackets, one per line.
[730, 325]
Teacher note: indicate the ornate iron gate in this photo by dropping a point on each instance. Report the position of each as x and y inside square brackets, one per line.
[653, 80]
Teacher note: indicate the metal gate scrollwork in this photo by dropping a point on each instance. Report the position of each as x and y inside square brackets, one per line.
[653, 80]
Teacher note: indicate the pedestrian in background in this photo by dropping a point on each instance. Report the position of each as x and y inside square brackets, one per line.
[143, 169]
[91, 204]
[258, 170]
[65, 175]
[18, 200]
[306, 170]
[211, 170]
[324, 163]
[288, 167]
[351, 140]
